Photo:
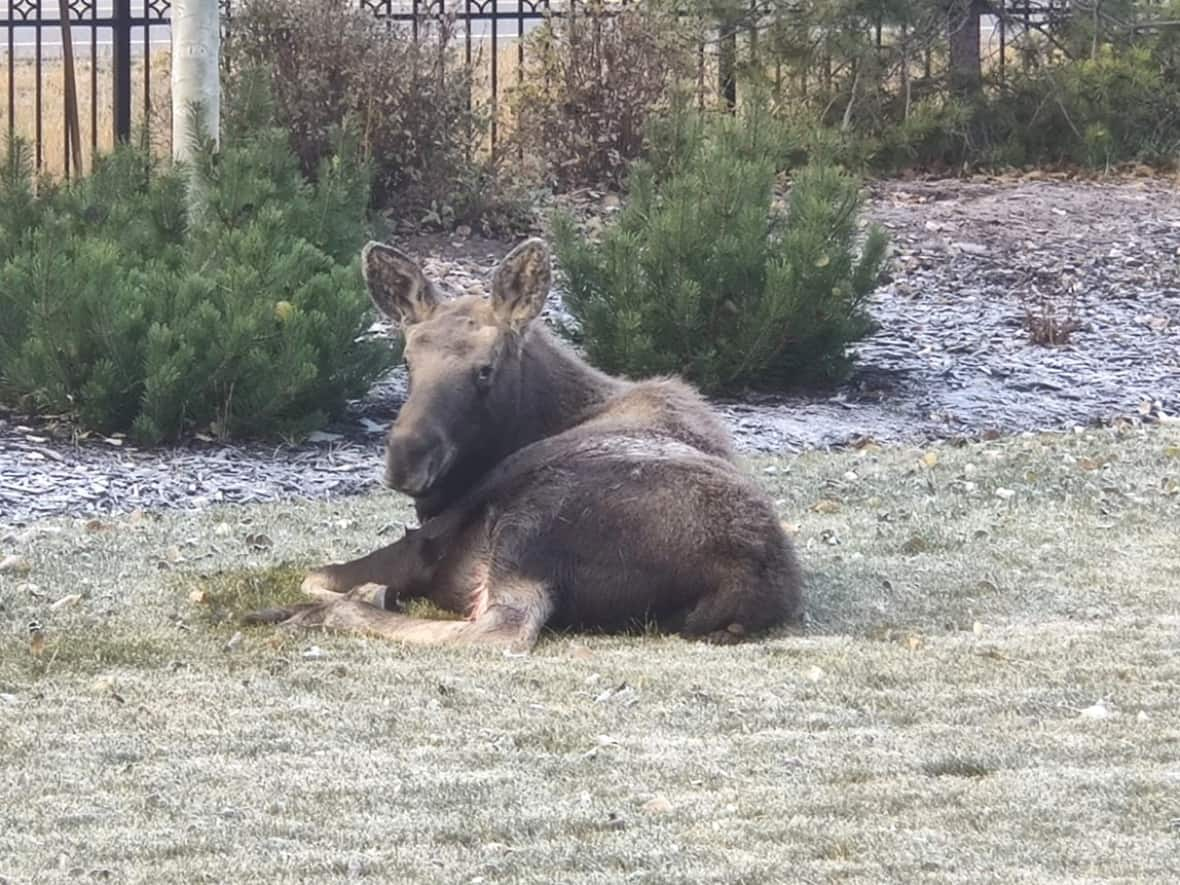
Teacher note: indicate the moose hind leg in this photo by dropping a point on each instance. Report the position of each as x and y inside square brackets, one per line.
[750, 601]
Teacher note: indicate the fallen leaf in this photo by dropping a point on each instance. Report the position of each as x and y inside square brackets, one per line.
[916, 544]
[234, 643]
[825, 505]
[581, 653]
[823, 261]
[198, 597]
[1004, 494]
[97, 525]
[65, 601]
[15, 565]
[790, 528]
[930, 459]
[36, 639]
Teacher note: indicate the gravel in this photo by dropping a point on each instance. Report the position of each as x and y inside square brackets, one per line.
[952, 357]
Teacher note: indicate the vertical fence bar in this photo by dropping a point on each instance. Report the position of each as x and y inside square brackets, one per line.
[701, 67]
[121, 69]
[11, 75]
[1003, 47]
[753, 35]
[147, 72]
[93, 84]
[37, 96]
[495, 72]
[520, 63]
[727, 63]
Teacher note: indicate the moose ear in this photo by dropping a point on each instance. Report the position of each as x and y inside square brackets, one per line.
[397, 285]
[521, 284]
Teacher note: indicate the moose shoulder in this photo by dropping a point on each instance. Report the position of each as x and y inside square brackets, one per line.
[550, 493]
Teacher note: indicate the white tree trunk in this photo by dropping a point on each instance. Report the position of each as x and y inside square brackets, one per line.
[196, 49]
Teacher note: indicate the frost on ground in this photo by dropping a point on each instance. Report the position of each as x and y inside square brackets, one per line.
[987, 692]
[952, 357]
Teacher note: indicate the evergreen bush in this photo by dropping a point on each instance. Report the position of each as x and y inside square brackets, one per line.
[705, 273]
[129, 316]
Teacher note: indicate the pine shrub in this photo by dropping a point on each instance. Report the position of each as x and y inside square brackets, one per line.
[706, 274]
[129, 316]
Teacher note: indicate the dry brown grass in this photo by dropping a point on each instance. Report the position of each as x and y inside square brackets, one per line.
[986, 694]
[95, 113]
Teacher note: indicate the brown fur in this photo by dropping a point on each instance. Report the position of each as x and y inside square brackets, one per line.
[551, 493]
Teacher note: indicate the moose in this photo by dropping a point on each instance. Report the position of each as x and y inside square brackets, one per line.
[548, 493]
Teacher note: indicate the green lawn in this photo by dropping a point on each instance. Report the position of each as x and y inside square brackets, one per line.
[987, 692]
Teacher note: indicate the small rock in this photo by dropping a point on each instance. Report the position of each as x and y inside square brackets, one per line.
[1098, 711]
[658, 805]
[320, 436]
[1004, 494]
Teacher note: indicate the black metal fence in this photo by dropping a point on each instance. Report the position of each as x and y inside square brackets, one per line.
[81, 74]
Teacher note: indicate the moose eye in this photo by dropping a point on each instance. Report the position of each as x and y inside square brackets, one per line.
[484, 375]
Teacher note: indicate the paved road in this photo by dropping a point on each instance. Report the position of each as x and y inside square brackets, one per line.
[24, 38]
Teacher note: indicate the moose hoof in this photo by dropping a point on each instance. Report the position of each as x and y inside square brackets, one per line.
[321, 583]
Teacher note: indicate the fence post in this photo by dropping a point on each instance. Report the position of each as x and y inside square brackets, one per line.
[121, 64]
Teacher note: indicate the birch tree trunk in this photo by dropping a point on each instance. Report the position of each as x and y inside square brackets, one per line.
[196, 50]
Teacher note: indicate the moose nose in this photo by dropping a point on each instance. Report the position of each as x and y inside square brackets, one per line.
[415, 461]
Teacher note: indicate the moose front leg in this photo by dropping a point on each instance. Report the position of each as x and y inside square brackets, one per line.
[513, 618]
[395, 566]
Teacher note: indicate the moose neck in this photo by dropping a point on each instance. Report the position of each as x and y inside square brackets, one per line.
[556, 391]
